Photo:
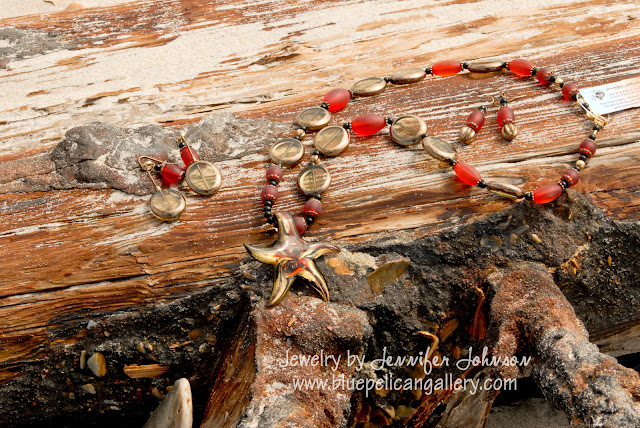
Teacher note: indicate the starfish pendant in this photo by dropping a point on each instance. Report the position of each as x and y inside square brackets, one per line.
[291, 257]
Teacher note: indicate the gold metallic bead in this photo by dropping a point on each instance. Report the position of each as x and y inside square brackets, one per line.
[580, 164]
[286, 151]
[299, 133]
[167, 204]
[485, 66]
[509, 131]
[313, 118]
[558, 81]
[314, 179]
[467, 134]
[439, 148]
[203, 178]
[408, 130]
[403, 77]
[505, 190]
[332, 140]
[314, 159]
[368, 87]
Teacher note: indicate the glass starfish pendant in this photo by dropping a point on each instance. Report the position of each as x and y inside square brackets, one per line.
[292, 257]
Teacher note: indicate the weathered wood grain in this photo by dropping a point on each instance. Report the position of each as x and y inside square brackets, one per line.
[78, 253]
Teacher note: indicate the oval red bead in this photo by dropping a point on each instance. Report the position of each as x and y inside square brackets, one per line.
[547, 193]
[521, 67]
[188, 155]
[476, 120]
[468, 174]
[269, 193]
[368, 124]
[337, 99]
[543, 74]
[301, 224]
[588, 147]
[571, 177]
[569, 91]
[172, 173]
[312, 207]
[505, 115]
[446, 68]
[274, 173]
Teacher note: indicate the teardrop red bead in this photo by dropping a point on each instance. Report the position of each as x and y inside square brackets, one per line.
[521, 67]
[446, 68]
[368, 124]
[505, 115]
[468, 174]
[188, 155]
[547, 193]
[172, 173]
[476, 120]
[337, 99]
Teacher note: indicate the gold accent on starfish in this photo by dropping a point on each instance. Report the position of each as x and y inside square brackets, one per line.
[291, 257]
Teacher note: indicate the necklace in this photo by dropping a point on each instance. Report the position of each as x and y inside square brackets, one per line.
[291, 256]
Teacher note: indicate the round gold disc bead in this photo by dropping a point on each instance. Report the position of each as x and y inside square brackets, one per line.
[403, 77]
[505, 190]
[369, 87]
[408, 130]
[439, 148]
[313, 118]
[203, 178]
[314, 179]
[286, 151]
[487, 66]
[332, 140]
[167, 204]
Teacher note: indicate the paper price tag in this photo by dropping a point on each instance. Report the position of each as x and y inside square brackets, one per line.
[614, 96]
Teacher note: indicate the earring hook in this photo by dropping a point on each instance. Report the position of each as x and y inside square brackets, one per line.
[147, 162]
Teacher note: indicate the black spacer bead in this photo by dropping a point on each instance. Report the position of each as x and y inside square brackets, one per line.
[158, 167]
[428, 70]
[534, 70]
[316, 153]
[561, 84]
[505, 65]
[465, 65]
[552, 78]
[268, 203]
[346, 125]
[574, 97]
[317, 196]
[268, 215]
[597, 127]
[576, 167]
[452, 162]
[564, 183]
[325, 105]
[528, 196]
[271, 219]
[273, 182]
[482, 184]
[309, 220]
[592, 136]
[386, 79]
[583, 158]
[297, 137]
[182, 145]
[483, 108]
[389, 120]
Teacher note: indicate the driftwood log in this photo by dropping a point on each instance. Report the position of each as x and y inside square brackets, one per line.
[426, 261]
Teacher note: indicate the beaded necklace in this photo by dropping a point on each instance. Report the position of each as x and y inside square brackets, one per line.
[292, 256]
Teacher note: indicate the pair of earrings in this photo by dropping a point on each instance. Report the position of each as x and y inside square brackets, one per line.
[202, 177]
[506, 121]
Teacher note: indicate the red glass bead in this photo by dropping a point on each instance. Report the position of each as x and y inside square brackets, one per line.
[337, 99]
[368, 124]
[188, 155]
[446, 68]
[172, 173]
[269, 193]
[521, 67]
[312, 207]
[301, 224]
[547, 193]
[588, 147]
[468, 174]
[505, 115]
[571, 176]
[476, 120]
[569, 90]
[274, 173]
[543, 75]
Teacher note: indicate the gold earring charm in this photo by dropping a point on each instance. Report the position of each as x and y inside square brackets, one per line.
[165, 204]
[474, 123]
[202, 177]
[506, 119]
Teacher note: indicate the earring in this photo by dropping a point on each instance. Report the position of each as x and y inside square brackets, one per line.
[506, 119]
[201, 176]
[166, 204]
[474, 123]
